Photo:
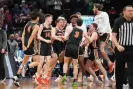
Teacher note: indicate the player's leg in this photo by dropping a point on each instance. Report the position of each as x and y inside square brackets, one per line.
[104, 54]
[35, 61]
[89, 68]
[65, 68]
[75, 71]
[15, 78]
[61, 63]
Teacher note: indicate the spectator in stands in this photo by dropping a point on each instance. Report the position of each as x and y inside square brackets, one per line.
[41, 20]
[16, 10]
[18, 40]
[12, 48]
[112, 11]
[2, 16]
[3, 47]
[25, 10]
[57, 8]
[8, 21]
[3, 2]
[57, 4]
[112, 15]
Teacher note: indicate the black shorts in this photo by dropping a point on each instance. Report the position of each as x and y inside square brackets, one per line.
[72, 51]
[81, 50]
[103, 38]
[30, 51]
[45, 49]
[33, 49]
[91, 55]
[57, 49]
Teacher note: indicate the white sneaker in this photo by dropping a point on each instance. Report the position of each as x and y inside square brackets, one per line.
[3, 80]
[90, 79]
[85, 83]
[107, 83]
[58, 79]
[113, 79]
[15, 81]
[97, 82]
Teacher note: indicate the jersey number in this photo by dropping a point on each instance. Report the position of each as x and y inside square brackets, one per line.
[76, 34]
[48, 34]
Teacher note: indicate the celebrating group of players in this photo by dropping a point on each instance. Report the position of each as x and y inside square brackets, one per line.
[66, 43]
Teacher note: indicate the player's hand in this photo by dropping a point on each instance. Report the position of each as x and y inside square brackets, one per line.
[120, 48]
[62, 37]
[48, 41]
[61, 40]
[24, 48]
[3, 51]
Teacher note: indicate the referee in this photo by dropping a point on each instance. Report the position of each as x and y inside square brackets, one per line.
[122, 37]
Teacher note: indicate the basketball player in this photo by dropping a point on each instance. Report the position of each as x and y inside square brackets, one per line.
[56, 35]
[82, 71]
[29, 43]
[44, 35]
[94, 58]
[104, 30]
[75, 37]
[58, 44]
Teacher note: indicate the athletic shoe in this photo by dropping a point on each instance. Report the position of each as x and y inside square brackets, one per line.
[107, 83]
[58, 79]
[97, 82]
[90, 79]
[15, 81]
[2, 80]
[64, 79]
[111, 68]
[45, 81]
[85, 83]
[46, 78]
[47, 75]
[74, 84]
[113, 79]
[39, 80]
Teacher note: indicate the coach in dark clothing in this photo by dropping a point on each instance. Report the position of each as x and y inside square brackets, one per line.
[122, 37]
[3, 47]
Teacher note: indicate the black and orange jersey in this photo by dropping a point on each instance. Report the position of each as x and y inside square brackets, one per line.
[75, 36]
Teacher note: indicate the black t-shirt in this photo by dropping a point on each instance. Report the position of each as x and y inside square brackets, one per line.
[124, 30]
[75, 36]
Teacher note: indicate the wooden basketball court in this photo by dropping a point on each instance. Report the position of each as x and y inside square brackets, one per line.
[29, 84]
